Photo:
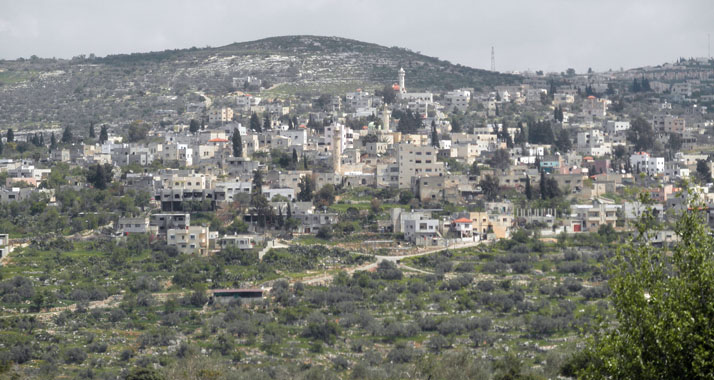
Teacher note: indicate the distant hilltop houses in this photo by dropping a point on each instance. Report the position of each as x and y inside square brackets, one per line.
[465, 165]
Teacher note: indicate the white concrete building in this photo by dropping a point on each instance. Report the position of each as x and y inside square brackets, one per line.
[127, 226]
[458, 99]
[288, 193]
[231, 189]
[613, 127]
[5, 247]
[643, 162]
[417, 161]
[191, 240]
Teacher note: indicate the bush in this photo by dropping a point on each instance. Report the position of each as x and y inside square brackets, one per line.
[521, 267]
[438, 343]
[486, 286]
[596, 292]
[340, 363]
[16, 289]
[481, 338]
[451, 326]
[388, 270]
[21, 353]
[573, 267]
[573, 285]
[144, 374]
[465, 268]
[99, 347]
[459, 282]
[324, 233]
[494, 267]
[126, 354]
[116, 315]
[401, 353]
[319, 328]
[75, 355]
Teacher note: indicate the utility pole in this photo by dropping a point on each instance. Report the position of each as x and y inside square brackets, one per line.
[493, 59]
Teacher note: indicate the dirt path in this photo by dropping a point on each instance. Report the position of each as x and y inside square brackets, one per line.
[326, 278]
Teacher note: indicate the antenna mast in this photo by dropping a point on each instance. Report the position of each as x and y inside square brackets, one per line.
[493, 59]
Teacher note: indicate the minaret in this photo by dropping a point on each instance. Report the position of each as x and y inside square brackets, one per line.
[337, 149]
[385, 118]
[402, 89]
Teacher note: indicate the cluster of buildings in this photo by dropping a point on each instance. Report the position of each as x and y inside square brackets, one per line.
[201, 170]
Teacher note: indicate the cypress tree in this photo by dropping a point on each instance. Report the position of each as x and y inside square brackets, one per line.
[91, 131]
[255, 122]
[529, 189]
[103, 134]
[67, 136]
[266, 122]
[237, 144]
[281, 220]
[257, 182]
[193, 126]
[434, 136]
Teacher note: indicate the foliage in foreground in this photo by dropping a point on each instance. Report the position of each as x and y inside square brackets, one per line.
[664, 306]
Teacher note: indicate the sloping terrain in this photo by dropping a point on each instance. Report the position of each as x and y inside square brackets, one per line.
[120, 88]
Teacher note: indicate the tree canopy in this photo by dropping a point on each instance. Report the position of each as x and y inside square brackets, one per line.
[663, 301]
[641, 135]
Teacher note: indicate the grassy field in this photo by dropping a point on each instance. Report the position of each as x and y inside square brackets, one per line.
[14, 77]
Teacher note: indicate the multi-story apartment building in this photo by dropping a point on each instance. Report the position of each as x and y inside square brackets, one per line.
[643, 162]
[220, 115]
[190, 240]
[417, 161]
[161, 223]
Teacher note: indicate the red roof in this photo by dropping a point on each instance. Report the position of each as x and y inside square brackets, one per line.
[217, 140]
[463, 220]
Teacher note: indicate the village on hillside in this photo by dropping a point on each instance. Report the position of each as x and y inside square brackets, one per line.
[557, 152]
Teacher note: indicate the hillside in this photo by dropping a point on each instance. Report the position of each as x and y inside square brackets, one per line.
[123, 87]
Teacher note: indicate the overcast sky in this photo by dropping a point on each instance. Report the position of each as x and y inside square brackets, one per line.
[549, 35]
